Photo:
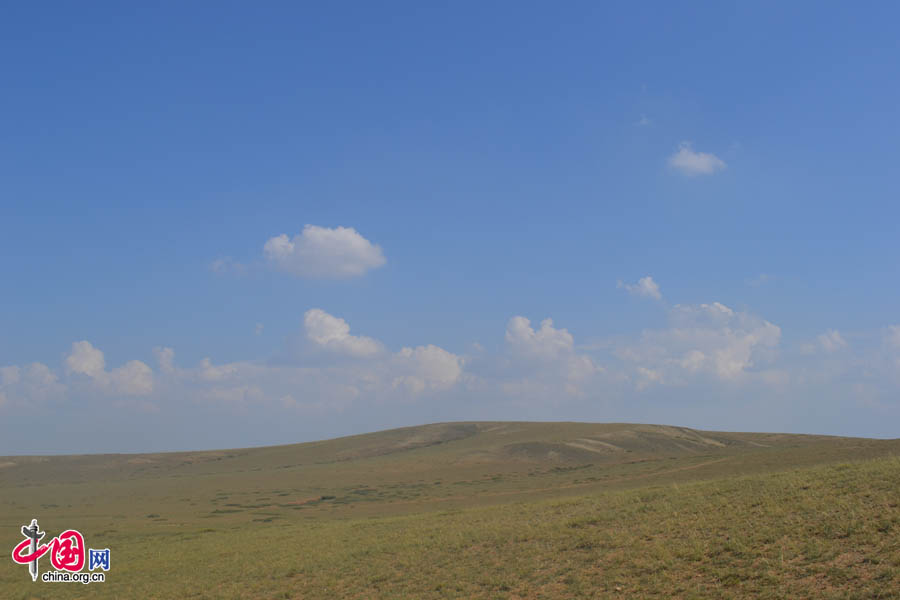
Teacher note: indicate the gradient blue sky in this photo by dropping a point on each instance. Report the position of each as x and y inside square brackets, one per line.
[464, 168]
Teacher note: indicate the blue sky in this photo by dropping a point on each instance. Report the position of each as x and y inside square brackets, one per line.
[227, 225]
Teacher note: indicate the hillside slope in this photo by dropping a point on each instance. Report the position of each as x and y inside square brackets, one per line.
[405, 470]
[499, 509]
[442, 444]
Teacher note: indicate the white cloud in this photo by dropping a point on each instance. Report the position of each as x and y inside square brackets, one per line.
[133, 378]
[831, 341]
[695, 163]
[40, 374]
[29, 384]
[546, 342]
[715, 313]
[647, 377]
[542, 360]
[321, 252]
[10, 375]
[210, 372]
[706, 353]
[226, 264]
[693, 360]
[892, 335]
[333, 334]
[645, 286]
[165, 357]
[705, 338]
[643, 121]
[327, 381]
[86, 360]
[730, 341]
[427, 367]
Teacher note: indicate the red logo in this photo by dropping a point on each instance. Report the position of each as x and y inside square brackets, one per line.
[66, 551]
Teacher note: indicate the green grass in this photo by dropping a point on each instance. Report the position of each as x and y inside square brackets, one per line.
[488, 510]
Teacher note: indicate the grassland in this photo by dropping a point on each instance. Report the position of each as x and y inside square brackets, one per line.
[480, 510]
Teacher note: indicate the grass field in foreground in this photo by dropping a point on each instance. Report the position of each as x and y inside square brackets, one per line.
[487, 510]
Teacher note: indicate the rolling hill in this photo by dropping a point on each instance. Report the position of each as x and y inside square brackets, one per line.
[444, 478]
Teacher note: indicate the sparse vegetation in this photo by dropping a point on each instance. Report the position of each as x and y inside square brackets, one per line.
[653, 512]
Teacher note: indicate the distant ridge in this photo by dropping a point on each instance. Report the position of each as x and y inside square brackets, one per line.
[506, 444]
